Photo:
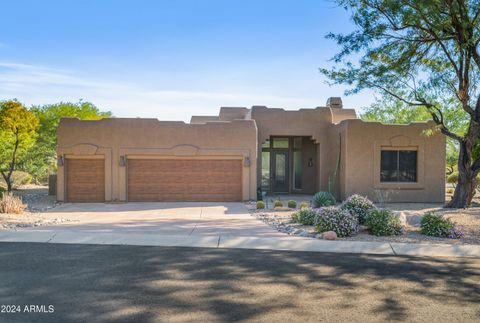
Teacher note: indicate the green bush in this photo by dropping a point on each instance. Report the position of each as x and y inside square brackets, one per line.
[382, 222]
[358, 206]
[436, 226]
[304, 205]
[322, 199]
[2, 190]
[260, 205]
[452, 178]
[331, 218]
[278, 203]
[305, 216]
[292, 204]
[20, 178]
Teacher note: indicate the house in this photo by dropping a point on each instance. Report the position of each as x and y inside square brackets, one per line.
[232, 156]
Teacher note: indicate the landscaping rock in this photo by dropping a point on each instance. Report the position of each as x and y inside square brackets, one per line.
[318, 236]
[409, 218]
[329, 235]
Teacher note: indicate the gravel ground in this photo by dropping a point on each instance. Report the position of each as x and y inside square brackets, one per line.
[36, 197]
[38, 201]
[467, 219]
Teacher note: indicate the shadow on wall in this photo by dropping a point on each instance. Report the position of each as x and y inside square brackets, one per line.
[151, 283]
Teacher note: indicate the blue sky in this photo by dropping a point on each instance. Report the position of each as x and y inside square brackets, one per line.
[171, 59]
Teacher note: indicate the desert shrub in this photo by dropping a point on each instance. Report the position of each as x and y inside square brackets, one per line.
[450, 190]
[292, 204]
[322, 199]
[358, 206]
[260, 205]
[21, 178]
[10, 203]
[437, 226]
[2, 190]
[304, 204]
[331, 218]
[278, 203]
[305, 216]
[382, 222]
[452, 178]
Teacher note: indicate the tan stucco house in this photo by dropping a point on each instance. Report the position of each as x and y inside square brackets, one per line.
[233, 156]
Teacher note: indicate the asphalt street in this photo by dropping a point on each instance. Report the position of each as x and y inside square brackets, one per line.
[97, 283]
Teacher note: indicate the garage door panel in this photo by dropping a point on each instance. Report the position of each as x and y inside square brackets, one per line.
[184, 180]
[85, 180]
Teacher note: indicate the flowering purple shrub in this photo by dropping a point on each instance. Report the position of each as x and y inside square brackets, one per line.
[456, 233]
[331, 218]
[437, 226]
[358, 206]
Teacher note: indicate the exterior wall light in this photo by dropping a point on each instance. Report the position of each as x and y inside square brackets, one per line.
[122, 161]
[310, 162]
[60, 161]
[247, 162]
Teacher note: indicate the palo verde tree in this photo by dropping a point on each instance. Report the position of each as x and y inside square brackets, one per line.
[17, 134]
[424, 54]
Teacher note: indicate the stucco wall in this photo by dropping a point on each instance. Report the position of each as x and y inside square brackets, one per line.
[309, 150]
[315, 123]
[364, 141]
[150, 138]
[203, 119]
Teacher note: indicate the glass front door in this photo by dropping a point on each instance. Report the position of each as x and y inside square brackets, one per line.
[280, 171]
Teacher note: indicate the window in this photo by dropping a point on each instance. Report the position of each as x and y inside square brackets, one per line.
[297, 163]
[280, 142]
[265, 171]
[398, 166]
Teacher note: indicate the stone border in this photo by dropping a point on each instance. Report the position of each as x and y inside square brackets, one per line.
[284, 227]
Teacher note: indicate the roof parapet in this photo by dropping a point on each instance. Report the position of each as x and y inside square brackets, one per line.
[335, 102]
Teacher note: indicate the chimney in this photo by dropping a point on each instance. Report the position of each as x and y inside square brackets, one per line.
[335, 102]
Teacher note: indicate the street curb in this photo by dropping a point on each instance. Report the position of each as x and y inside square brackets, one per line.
[287, 243]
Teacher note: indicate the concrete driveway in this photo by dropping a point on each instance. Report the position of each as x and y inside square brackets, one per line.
[176, 218]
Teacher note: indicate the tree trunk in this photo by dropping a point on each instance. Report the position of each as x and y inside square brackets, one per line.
[464, 192]
[8, 181]
[467, 181]
[9, 184]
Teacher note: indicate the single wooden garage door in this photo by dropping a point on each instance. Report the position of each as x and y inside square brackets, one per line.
[184, 180]
[85, 180]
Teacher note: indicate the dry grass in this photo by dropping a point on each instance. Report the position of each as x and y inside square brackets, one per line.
[10, 203]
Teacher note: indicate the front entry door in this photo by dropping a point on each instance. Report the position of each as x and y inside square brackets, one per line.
[280, 171]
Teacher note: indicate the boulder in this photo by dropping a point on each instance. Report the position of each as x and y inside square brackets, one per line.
[329, 235]
[409, 217]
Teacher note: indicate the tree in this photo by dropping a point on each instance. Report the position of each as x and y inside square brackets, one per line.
[388, 110]
[424, 54]
[17, 134]
[41, 159]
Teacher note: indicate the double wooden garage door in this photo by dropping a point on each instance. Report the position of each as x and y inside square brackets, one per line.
[158, 180]
[184, 180]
